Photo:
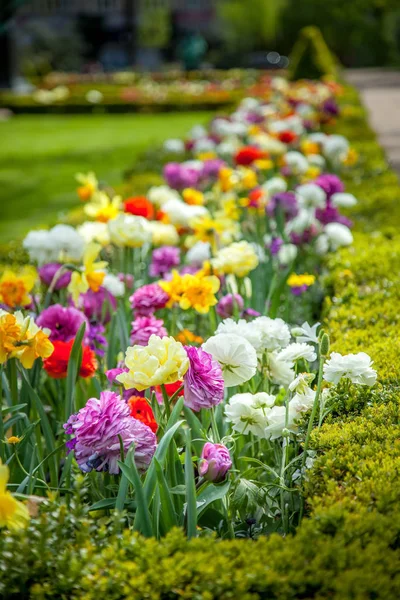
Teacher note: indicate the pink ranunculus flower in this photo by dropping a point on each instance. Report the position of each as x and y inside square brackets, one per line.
[96, 429]
[228, 304]
[215, 462]
[63, 322]
[144, 327]
[203, 381]
[147, 299]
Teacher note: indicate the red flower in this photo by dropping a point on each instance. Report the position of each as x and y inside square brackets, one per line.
[139, 206]
[287, 137]
[142, 411]
[57, 364]
[248, 154]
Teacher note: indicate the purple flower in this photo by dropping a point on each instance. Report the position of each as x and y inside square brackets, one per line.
[203, 381]
[330, 107]
[330, 214]
[62, 322]
[212, 167]
[147, 299]
[228, 304]
[97, 306]
[287, 201]
[96, 429]
[275, 246]
[180, 176]
[47, 272]
[111, 375]
[249, 313]
[144, 327]
[299, 289]
[215, 462]
[163, 260]
[96, 338]
[331, 184]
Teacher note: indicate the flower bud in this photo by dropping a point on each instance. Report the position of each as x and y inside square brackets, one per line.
[215, 462]
[324, 344]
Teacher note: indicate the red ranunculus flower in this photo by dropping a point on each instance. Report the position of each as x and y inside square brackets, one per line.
[57, 364]
[287, 137]
[248, 154]
[142, 411]
[139, 206]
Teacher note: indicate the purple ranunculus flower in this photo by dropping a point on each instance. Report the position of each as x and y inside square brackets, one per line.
[97, 306]
[331, 107]
[163, 260]
[179, 176]
[228, 304]
[62, 322]
[96, 429]
[111, 375]
[275, 245]
[144, 327]
[331, 184]
[212, 167]
[47, 272]
[249, 313]
[287, 201]
[203, 381]
[215, 462]
[298, 290]
[147, 299]
[330, 214]
[96, 339]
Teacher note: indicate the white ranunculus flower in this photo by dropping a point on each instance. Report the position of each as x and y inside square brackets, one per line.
[115, 286]
[301, 383]
[297, 162]
[339, 235]
[277, 423]
[197, 132]
[241, 328]
[67, 242]
[335, 146]
[161, 194]
[343, 200]
[317, 137]
[94, 231]
[316, 160]
[163, 234]
[245, 417]
[310, 195]
[356, 367]
[303, 220]
[274, 333]
[287, 253]
[322, 244]
[198, 253]
[249, 103]
[227, 148]
[281, 371]
[39, 246]
[275, 185]
[129, 231]
[181, 213]
[204, 145]
[237, 357]
[175, 146]
[301, 403]
[306, 333]
[296, 351]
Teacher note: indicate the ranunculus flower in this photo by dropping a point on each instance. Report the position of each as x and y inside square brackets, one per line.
[97, 306]
[163, 260]
[56, 365]
[228, 304]
[144, 327]
[97, 429]
[215, 462]
[204, 382]
[139, 206]
[62, 322]
[356, 367]
[248, 154]
[147, 299]
[163, 360]
[129, 231]
[141, 410]
[237, 357]
[47, 273]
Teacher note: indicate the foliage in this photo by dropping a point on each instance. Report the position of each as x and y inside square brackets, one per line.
[311, 57]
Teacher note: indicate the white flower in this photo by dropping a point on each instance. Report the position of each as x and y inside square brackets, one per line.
[160, 194]
[277, 423]
[335, 146]
[305, 219]
[94, 231]
[275, 185]
[322, 244]
[281, 371]
[339, 235]
[227, 148]
[181, 213]
[197, 132]
[297, 162]
[204, 145]
[39, 246]
[301, 383]
[301, 403]
[287, 253]
[274, 333]
[237, 357]
[297, 351]
[129, 231]
[242, 329]
[249, 412]
[175, 146]
[198, 253]
[310, 195]
[163, 234]
[115, 286]
[356, 367]
[341, 199]
[306, 333]
[67, 242]
[94, 96]
[316, 160]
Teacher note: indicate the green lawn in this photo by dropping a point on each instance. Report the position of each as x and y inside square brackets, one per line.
[39, 156]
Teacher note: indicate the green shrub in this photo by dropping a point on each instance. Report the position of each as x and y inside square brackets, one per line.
[311, 57]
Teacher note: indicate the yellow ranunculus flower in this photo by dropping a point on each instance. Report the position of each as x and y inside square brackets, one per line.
[13, 514]
[163, 234]
[162, 361]
[239, 259]
[92, 275]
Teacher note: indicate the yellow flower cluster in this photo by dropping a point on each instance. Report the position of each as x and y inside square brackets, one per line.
[15, 287]
[163, 360]
[192, 196]
[295, 280]
[239, 259]
[191, 291]
[21, 338]
[13, 514]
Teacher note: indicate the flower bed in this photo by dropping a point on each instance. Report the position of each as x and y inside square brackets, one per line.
[347, 547]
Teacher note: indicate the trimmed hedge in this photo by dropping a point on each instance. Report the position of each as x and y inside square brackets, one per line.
[348, 547]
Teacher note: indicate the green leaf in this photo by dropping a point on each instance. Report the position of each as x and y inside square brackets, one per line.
[123, 329]
[191, 506]
[8, 410]
[196, 429]
[143, 518]
[168, 514]
[211, 493]
[74, 364]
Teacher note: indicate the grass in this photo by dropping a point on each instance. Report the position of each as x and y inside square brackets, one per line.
[39, 156]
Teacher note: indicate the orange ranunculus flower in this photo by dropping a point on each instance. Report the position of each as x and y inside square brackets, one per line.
[187, 337]
[139, 206]
[56, 365]
[142, 411]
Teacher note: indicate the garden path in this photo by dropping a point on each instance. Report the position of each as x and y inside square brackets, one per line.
[380, 91]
